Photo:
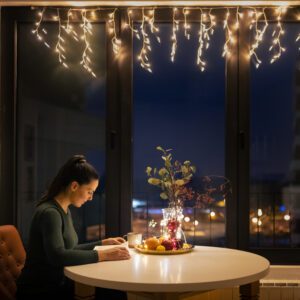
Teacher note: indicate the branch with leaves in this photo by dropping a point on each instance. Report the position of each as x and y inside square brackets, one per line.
[172, 178]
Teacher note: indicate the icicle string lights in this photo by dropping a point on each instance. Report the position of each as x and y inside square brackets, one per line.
[153, 28]
[200, 60]
[229, 38]
[184, 15]
[259, 34]
[36, 31]
[130, 24]
[186, 26]
[59, 49]
[277, 34]
[175, 28]
[204, 36]
[69, 28]
[143, 56]
[115, 41]
[87, 30]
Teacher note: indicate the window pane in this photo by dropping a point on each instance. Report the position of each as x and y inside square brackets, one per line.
[179, 107]
[274, 187]
[60, 112]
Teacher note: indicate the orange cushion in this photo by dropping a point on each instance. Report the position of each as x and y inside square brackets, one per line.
[12, 259]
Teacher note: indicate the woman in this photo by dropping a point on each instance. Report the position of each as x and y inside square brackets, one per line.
[53, 242]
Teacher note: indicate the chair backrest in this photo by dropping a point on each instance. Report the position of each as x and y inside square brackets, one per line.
[12, 259]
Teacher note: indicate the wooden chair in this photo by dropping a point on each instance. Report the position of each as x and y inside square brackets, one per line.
[12, 259]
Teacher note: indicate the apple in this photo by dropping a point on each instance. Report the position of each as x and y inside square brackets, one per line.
[168, 244]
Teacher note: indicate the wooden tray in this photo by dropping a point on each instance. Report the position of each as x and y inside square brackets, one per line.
[166, 252]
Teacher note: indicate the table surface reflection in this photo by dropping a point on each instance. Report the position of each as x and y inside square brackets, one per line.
[205, 268]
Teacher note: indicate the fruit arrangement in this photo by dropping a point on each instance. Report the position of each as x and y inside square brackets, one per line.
[162, 244]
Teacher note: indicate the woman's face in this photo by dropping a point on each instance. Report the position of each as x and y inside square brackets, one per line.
[82, 193]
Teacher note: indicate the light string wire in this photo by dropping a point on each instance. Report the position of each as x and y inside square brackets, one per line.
[59, 49]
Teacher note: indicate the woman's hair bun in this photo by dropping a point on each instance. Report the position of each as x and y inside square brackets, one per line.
[79, 159]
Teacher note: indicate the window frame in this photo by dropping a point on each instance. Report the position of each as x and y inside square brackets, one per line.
[119, 119]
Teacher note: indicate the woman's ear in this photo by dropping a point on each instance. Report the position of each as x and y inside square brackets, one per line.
[74, 186]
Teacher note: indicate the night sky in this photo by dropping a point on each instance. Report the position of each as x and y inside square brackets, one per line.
[180, 107]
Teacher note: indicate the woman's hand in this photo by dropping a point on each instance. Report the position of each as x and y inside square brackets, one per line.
[116, 253]
[113, 241]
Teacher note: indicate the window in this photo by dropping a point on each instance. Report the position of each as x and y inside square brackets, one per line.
[232, 120]
[181, 108]
[60, 112]
[274, 148]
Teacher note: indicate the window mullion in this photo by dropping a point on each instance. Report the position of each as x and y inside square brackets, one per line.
[243, 134]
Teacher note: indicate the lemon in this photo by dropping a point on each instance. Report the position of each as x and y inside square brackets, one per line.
[160, 248]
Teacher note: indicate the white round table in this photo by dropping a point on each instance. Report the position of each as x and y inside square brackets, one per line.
[203, 269]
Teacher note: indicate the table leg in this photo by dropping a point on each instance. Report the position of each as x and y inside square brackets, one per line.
[83, 292]
[250, 291]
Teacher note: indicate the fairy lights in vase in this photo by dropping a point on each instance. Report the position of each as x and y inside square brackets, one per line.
[259, 34]
[186, 26]
[59, 49]
[143, 56]
[276, 44]
[37, 29]
[175, 28]
[87, 31]
[115, 41]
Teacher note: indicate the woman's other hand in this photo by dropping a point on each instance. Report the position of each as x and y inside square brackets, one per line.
[116, 253]
[113, 241]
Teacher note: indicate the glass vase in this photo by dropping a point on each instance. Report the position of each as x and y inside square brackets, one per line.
[171, 226]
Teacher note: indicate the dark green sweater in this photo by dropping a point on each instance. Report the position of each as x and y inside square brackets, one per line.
[53, 244]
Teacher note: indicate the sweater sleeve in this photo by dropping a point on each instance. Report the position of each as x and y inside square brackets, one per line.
[57, 254]
[88, 246]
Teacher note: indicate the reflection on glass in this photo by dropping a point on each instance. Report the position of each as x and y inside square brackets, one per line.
[181, 108]
[60, 112]
[274, 164]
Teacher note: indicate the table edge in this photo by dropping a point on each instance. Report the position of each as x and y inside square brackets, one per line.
[185, 287]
